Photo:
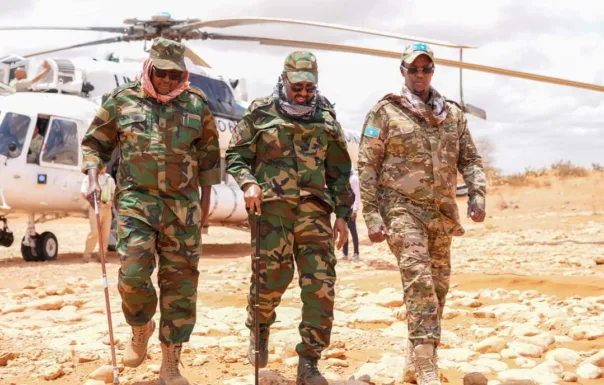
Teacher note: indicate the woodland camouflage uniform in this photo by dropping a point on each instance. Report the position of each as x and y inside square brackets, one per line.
[303, 169]
[167, 152]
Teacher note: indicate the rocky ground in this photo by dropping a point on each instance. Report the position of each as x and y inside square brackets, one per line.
[526, 302]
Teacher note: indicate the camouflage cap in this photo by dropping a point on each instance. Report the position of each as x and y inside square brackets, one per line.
[413, 51]
[301, 66]
[168, 54]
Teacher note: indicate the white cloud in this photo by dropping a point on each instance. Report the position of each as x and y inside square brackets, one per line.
[532, 124]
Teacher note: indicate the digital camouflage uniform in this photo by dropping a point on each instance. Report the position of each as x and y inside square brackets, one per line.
[408, 176]
[168, 151]
[303, 169]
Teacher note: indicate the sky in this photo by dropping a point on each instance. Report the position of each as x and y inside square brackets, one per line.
[531, 124]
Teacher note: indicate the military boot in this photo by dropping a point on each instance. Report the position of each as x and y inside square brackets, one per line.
[308, 372]
[262, 350]
[136, 349]
[426, 370]
[168, 372]
[409, 369]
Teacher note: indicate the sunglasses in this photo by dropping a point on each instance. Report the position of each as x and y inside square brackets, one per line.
[173, 75]
[415, 70]
[298, 88]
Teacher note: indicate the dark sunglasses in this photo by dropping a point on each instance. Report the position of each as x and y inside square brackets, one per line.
[298, 88]
[173, 75]
[415, 70]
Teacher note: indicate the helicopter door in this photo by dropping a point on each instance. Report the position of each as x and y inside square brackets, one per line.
[61, 144]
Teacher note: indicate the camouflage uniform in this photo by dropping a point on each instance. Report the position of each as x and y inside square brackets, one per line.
[168, 151]
[408, 173]
[303, 169]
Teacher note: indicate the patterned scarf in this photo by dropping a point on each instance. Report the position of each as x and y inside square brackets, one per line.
[434, 112]
[294, 110]
[145, 77]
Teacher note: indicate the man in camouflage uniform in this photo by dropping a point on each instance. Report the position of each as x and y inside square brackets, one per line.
[168, 145]
[289, 155]
[411, 148]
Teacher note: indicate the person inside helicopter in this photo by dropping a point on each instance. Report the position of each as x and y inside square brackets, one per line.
[33, 155]
[12, 134]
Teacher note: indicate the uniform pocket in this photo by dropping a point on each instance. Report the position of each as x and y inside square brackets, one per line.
[273, 142]
[133, 129]
[403, 139]
[184, 135]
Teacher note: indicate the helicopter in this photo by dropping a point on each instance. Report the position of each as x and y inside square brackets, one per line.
[71, 118]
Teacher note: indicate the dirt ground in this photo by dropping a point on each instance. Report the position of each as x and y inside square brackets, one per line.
[540, 247]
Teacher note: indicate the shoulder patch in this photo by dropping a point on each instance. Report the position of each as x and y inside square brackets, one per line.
[372, 132]
[198, 92]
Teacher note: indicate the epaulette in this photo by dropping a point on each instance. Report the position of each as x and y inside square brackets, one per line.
[454, 102]
[125, 86]
[198, 92]
[261, 102]
[384, 101]
[325, 104]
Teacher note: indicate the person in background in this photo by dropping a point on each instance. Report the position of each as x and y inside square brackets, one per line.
[352, 223]
[21, 83]
[107, 185]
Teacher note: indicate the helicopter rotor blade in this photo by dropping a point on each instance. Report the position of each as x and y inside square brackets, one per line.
[396, 55]
[234, 22]
[195, 58]
[90, 43]
[97, 29]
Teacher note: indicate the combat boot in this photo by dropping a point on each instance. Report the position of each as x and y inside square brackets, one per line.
[308, 372]
[426, 370]
[136, 349]
[409, 369]
[262, 350]
[168, 372]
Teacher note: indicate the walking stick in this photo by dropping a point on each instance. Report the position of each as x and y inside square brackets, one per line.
[257, 296]
[106, 286]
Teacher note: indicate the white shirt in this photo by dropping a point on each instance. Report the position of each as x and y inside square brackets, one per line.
[107, 185]
[354, 183]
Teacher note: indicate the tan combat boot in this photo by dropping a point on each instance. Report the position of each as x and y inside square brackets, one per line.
[168, 372]
[136, 349]
[409, 369]
[426, 371]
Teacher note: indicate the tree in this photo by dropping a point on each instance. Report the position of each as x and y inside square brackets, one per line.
[486, 149]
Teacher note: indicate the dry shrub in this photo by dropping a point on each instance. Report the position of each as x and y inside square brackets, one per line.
[565, 169]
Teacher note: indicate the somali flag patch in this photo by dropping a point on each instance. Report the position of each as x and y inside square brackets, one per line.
[372, 132]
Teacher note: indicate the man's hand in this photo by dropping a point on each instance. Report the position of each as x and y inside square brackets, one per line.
[93, 186]
[45, 65]
[377, 233]
[253, 197]
[206, 192]
[340, 230]
[476, 212]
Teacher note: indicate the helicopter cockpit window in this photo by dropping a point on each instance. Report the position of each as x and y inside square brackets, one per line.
[13, 130]
[62, 143]
[220, 97]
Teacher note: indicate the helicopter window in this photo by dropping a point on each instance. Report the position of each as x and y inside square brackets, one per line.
[13, 131]
[62, 143]
[220, 97]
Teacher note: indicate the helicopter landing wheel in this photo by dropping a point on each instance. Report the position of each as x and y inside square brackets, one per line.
[47, 246]
[30, 254]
